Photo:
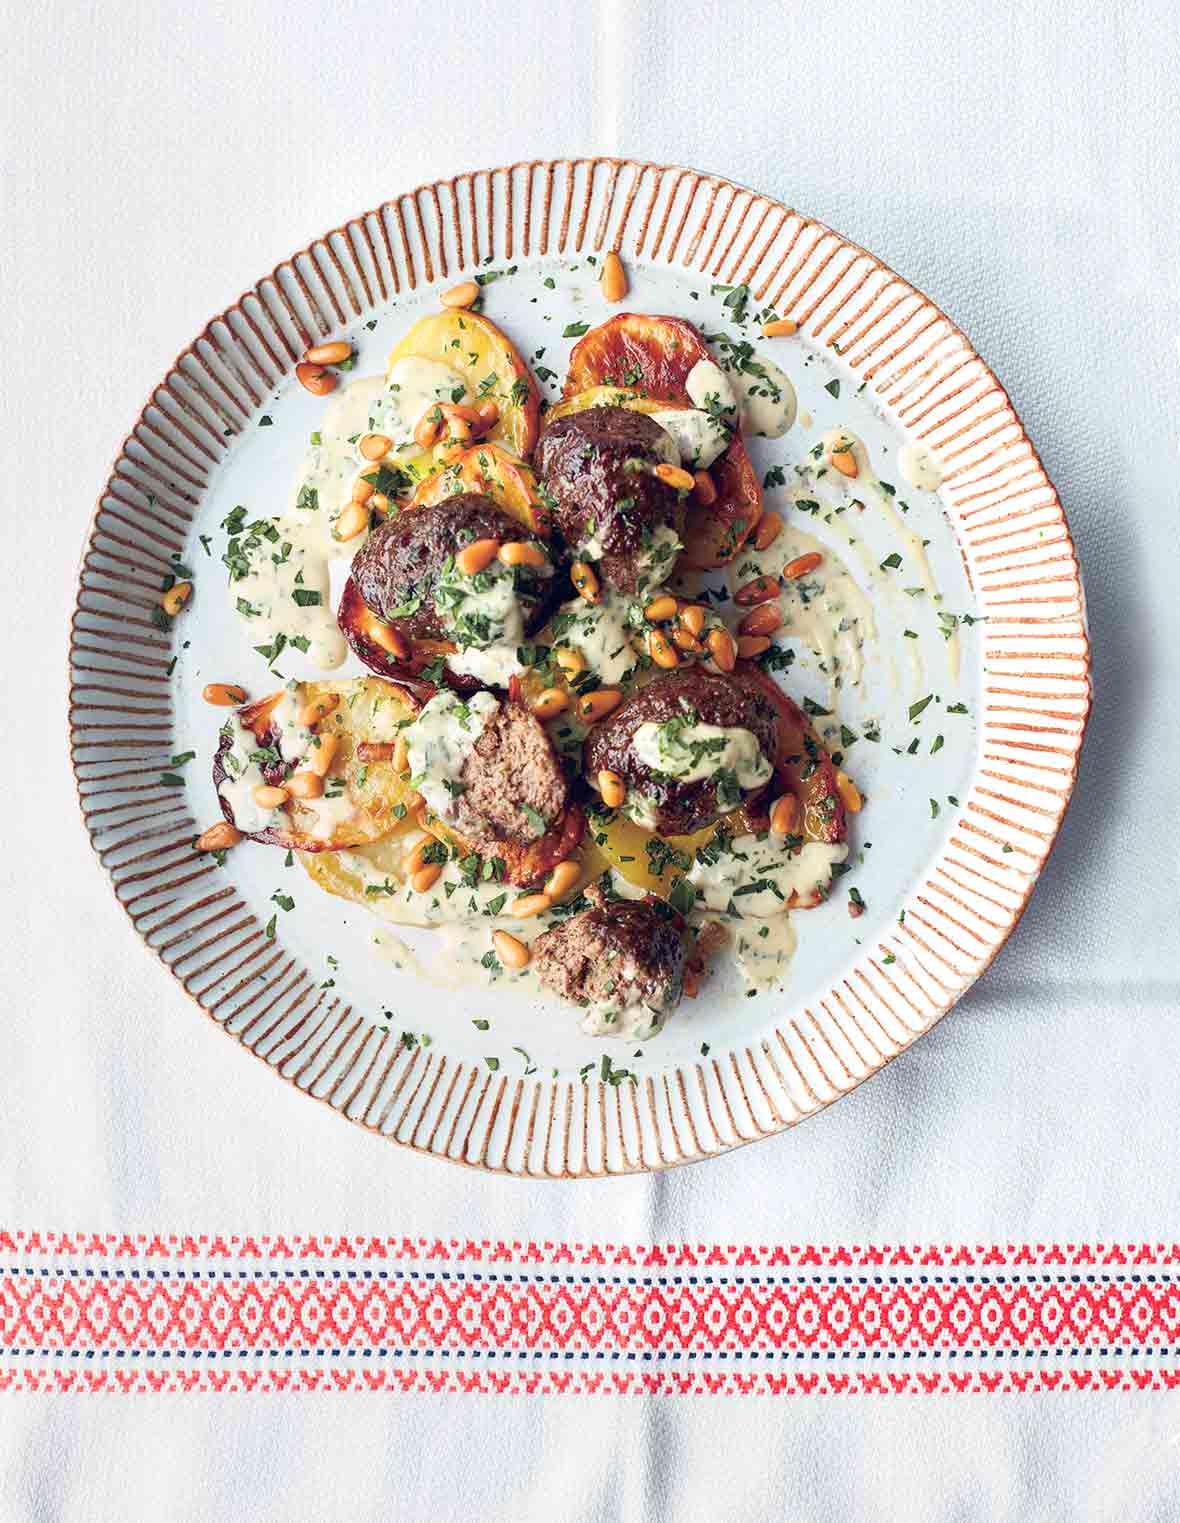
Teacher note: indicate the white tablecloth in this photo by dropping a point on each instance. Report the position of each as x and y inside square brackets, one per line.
[157, 160]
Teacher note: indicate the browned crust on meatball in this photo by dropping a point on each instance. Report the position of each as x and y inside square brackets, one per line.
[627, 950]
[582, 458]
[730, 701]
[512, 764]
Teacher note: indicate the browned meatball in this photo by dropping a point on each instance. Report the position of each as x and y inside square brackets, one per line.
[514, 786]
[679, 808]
[596, 465]
[625, 953]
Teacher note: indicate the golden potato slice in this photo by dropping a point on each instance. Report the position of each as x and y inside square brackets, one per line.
[348, 874]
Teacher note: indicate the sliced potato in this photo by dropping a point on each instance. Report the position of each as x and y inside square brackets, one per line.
[338, 872]
[802, 765]
[490, 469]
[649, 861]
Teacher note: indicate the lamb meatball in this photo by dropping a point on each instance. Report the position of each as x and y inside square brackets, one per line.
[626, 958]
[610, 508]
[681, 774]
[514, 786]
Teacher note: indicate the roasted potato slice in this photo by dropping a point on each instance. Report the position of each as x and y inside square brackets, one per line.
[336, 872]
[490, 469]
[650, 861]
[639, 361]
[802, 765]
[365, 796]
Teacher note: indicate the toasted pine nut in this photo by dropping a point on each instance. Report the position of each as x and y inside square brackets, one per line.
[316, 379]
[305, 785]
[473, 558]
[693, 618]
[770, 526]
[572, 662]
[319, 708]
[457, 428]
[379, 502]
[219, 837]
[598, 704]
[704, 491]
[612, 788]
[488, 413]
[674, 476]
[686, 642]
[387, 638]
[321, 757]
[432, 648]
[849, 793]
[531, 904]
[763, 620]
[362, 490]
[401, 757]
[523, 552]
[353, 520]
[267, 797]
[549, 703]
[175, 598]
[426, 877]
[563, 878]
[512, 953]
[760, 590]
[844, 461]
[415, 861]
[374, 751]
[225, 695]
[722, 649]
[782, 327]
[375, 446]
[613, 278]
[462, 295]
[661, 609]
[585, 581]
[329, 354]
[450, 451]
[801, 565]
[663, 653]
[784, 815]
[749, 646]
[428, 427]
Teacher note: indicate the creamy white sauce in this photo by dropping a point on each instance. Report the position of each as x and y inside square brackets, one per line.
[692, 752]
[759, 876]
[439, 742]
[919, 467]
[633, 1021]
[706, 382]
[484, 617]
[601, 633]
[656, 557]
[766, 398]
[413, 386]
[697, 439]
[763, 949]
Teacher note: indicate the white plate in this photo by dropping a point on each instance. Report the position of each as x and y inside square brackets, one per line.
[943, 891]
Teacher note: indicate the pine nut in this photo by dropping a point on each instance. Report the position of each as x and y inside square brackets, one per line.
[374, 751]
[763, 620]
[613, 278]
[749, 646]
[531, 904]
[219, 837]
[224, 695]
[267, 797]
[663, 653]
[770, 526]
[321, 757]
[572, 662]
[612, 789]
[661, 609]
[460, 410]
[417, 858]
[353, 520]
[316, 379]
[379, 503]
[462, 295]
[760, 590]
[523, 552]
[387, 639]
[693, 619]
[704, 489]
[849, 793]
[844, 461]
[784, 815]
[458, 428]
[305, 785]
[329, 354]
[801, 565]
[375, 446]
[565, 876]
[175, 598]
[426, 877]
[674, 476]
[450, 451]
[319, 708]
[686, 642]
[585, 581]
[549, 703]
[722, 649]
[598, 704]
[362, 490]
[488, 413]
[401, 757]
[512, 953]
[428, 427]
[473, 558]
[782, 327]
